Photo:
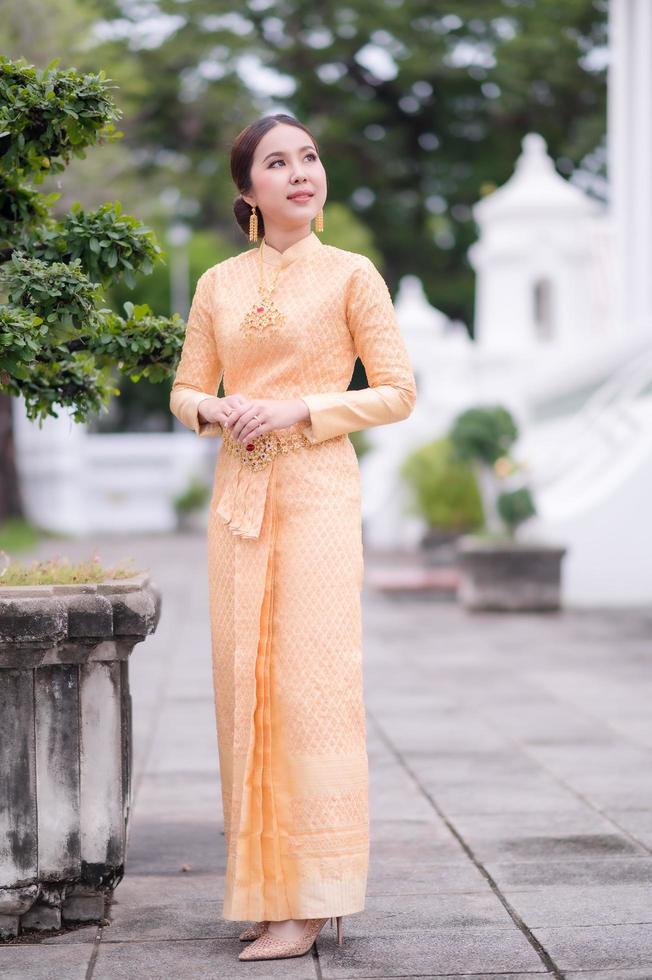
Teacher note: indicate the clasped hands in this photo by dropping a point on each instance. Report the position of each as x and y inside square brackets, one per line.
[236, 414]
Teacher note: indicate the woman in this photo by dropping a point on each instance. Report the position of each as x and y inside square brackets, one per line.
[283, 323]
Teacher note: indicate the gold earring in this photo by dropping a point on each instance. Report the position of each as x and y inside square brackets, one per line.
[253, 224]
[319, 220]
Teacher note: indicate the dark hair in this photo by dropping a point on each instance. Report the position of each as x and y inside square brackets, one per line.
[242, 153]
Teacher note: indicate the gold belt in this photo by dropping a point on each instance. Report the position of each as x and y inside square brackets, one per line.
[260, 451]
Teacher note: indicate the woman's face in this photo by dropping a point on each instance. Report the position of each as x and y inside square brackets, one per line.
[284, 162]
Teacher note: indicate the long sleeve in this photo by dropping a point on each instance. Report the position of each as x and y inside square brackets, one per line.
[199, 370]
[391, 394]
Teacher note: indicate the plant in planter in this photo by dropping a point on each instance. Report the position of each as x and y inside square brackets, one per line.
[189, 505]
[65, 725]
[444, 493]
[498, 569]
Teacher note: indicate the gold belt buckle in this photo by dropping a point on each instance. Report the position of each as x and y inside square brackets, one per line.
[264, 447]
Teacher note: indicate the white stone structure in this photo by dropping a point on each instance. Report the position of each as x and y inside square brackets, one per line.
[80, 483]
[537, 261]
[629, 144]
[592, 461]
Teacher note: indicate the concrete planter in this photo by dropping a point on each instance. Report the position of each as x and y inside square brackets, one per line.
[509, 575]
[439, 546]
[65, 745]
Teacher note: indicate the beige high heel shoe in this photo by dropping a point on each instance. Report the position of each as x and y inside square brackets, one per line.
[338, 919]
[254, 932]
[270, 947]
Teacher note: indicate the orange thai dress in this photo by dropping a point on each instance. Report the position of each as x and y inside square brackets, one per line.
[285, 566]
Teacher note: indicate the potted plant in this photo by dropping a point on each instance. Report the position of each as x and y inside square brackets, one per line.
[190, 505]
[445, 494]
[66, 637]
[498, 569]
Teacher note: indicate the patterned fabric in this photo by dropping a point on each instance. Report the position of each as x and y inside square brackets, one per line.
[285, 571]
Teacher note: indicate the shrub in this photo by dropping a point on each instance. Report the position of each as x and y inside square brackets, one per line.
[444, 489]
[60, 571]
[59, 345]
[482, 436]
[194, 496]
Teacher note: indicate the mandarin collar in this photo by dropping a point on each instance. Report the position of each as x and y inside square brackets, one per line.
[271, 255]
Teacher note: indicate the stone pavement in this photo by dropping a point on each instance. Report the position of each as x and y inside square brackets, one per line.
[511, 798]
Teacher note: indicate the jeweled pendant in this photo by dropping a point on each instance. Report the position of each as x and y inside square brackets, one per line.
[263, 317]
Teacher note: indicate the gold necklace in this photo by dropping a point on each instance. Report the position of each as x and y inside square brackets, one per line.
[264, 316]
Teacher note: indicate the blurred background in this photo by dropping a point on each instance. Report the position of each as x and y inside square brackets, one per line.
[492, 158]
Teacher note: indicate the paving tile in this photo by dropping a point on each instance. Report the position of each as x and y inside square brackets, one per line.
[643, 974]
[35, 961]
[545, 723]
[638, 823]
[455, 951]
[577, 833]
[600, 947]
[402, 830]
[613, 758]
[609, 872]
[411, 730]
[586, 905]
[393, 794]
[187, 789]
[438, 845]
[158, 845]
[192, 959]
[181, 906]
[516, 794]
[453, 764]
[433, 880]
[387, 915]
